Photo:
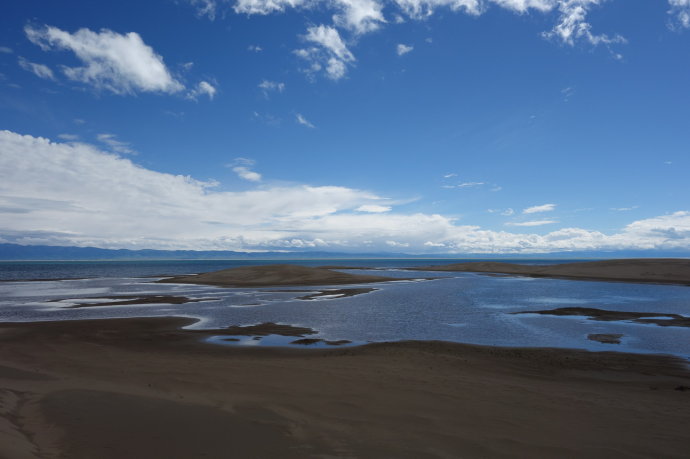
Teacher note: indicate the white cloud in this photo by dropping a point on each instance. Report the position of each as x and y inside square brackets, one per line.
[116, 146]
[402, 49]
[358, 16]
[203, 88]
[68, 137]
[303, 121]
[205, 8]
[505, 212]
[266, 6]
[255, 48]
[542, 208]
[268, 86]
[123, 64]
[464, 185]
[76, 194]
[680, 9]
[624, 209]
[451, 175]
[242, 167]
[532, 223]
[331, 54]
[40, 70]
[373, 208]
[421, 9]
[573, 25]
[246, 174]
[5, 50]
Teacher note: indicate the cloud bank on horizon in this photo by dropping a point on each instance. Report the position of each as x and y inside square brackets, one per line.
[76, 194]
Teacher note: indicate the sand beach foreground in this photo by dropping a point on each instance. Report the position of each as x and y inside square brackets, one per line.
[144, 388]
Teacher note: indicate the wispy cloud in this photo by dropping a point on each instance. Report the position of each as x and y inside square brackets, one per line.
[373, 208]
[5, 50]
[271, 86]
[542, 208]
[115, 145]
[402, 49]
[205, 8]
[242, 167]
[330, 53]
[255, 48]
[68, 137]
[40, 70]
[303, 121]
[624, 209]
[204, 88]
[505, 212]
[532, 223]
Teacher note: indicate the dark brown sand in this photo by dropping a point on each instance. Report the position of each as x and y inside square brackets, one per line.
[124, 300]
[655, 318]
[649, 270]
[606, 338]
[143, 388]
[265, 329]
[275, 275]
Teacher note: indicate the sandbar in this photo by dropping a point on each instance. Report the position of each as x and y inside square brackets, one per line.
[275, 275]
[642, 270]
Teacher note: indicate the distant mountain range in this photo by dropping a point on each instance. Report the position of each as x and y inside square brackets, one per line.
[15, 252]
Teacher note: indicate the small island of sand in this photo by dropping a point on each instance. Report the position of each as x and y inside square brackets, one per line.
[275, 275]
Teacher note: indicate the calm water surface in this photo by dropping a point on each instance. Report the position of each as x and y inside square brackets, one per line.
[462, 307]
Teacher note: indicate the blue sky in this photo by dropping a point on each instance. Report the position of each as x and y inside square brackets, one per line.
[415, 126]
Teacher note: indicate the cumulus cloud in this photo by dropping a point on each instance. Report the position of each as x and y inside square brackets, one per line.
[76, 194]
[362, 16]
[402, 49]
[123, 64]
[542, 208]
[304, 122]
[204, 88]
[40, 70]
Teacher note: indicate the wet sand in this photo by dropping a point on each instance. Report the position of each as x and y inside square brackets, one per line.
[144, 388]
[652, 318]
[644, 270]
[275, 275]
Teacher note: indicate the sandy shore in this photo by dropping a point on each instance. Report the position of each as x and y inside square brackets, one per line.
[275, 275]
[142, 388]
[651, 270]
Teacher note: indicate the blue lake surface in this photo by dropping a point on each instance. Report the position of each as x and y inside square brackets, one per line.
[461, 307]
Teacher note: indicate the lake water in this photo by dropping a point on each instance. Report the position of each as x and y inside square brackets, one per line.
[461, 307]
